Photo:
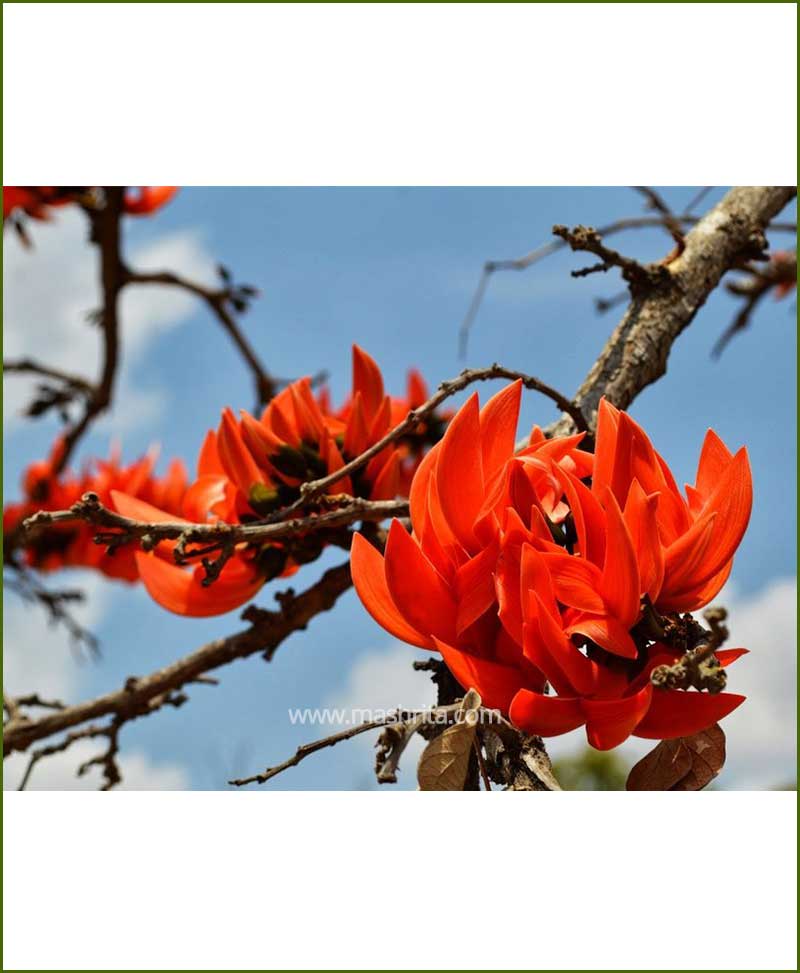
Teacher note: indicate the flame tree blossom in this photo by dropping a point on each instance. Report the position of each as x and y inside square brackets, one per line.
[249, 467]
[71, 544]
[529, 570]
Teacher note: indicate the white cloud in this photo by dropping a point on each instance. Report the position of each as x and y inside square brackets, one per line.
[59, 772]
[48, 290]
[37, 658]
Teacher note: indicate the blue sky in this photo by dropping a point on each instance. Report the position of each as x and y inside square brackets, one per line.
[393, 269]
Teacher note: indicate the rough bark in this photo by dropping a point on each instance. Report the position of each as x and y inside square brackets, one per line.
[636, 353]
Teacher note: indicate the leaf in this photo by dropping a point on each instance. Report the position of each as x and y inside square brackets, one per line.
[444, 763]
[662, 768]
[708, 758]
[685, 764]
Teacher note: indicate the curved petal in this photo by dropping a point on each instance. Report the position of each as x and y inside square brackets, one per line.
[367, 380]
[732, 500]
[496, 683]
[202, 496]
[369, 579]
[572, 664]
[208, 463]
[589, 517]
[576, 582]
[137, 509]
[605, 447]
[474, 585]
[387, 484]
[620, 580]
[728, 656]
[498, 422]
[677, 713]
[547, 716]
[356, 434]
[610, 722]
[459, 472]
[715, 457]
[607, 632]
[417, 589]
[180, 590]
[235, 456]
[640, 518]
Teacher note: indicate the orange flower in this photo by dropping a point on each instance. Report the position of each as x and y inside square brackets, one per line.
[523, 577]
[36, 200]
[250, 467]
[71, 544]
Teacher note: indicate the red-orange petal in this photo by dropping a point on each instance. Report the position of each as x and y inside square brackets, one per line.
[620, 579]
[367, 380]
[498, 424]
[610, 722]
[677, 713]
[459, 472]
[496, 683]
[640, 518]
[715, 457]
[367, 568]
[235, 456]
[546, 716]
[609, 633]
[387, 483]
[180, 590]
[417, 589]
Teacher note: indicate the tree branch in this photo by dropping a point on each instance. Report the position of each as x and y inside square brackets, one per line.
[105, 223]
[636, 353]
[267, 631]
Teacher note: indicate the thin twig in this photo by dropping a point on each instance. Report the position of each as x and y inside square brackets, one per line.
[218, 300]
[219, 536]
[315, 488]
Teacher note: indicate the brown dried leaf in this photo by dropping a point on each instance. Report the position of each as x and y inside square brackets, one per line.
[444, 762]
[662, 768]
[708, 758]
[685, 764]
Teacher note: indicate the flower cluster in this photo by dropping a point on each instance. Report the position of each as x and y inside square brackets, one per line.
[250, 467]
[247, 468]
[36, 201]
[531, 571]
[71, 544]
